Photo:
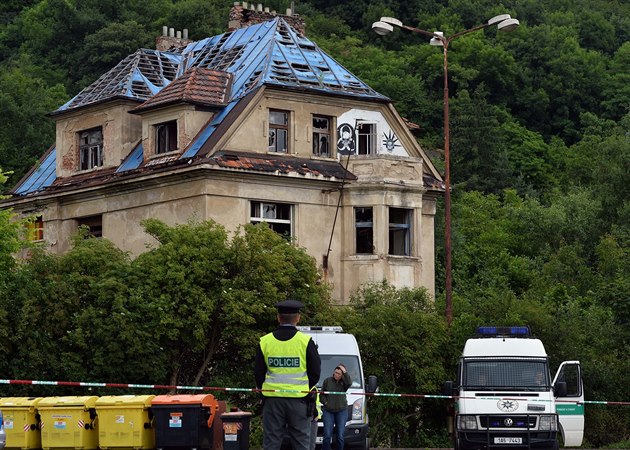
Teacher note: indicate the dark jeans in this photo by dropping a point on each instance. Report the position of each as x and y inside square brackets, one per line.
[338, 421]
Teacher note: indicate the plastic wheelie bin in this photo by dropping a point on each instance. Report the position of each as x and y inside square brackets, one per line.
[125, 422]
[236, 430]
[184, 421]
[68, 422]
[21, 422]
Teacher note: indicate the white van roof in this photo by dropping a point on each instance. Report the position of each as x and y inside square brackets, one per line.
[332, 342]
[480, 347]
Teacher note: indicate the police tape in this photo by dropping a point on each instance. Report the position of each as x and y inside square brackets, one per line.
[90, 384]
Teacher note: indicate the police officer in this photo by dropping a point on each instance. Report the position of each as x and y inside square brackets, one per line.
[287, 360]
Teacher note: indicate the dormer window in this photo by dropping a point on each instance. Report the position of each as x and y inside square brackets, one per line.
[166, 137]
[91, 148]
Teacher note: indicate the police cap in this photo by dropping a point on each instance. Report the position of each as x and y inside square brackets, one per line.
[289, 306]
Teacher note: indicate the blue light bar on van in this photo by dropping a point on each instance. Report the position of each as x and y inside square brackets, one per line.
[503, 331]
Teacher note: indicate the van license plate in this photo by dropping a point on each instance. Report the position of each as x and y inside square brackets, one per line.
[508, 440]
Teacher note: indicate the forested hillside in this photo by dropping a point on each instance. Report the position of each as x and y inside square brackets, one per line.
[540, 148]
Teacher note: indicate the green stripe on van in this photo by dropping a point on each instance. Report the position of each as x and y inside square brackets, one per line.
[570, 409]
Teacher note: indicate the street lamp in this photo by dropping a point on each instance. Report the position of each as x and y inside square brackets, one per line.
[386, 25]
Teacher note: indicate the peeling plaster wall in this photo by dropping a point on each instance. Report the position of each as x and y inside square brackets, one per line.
[121, 131]
[189, 122]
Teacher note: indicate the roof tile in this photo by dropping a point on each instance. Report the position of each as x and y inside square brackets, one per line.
[198, 86]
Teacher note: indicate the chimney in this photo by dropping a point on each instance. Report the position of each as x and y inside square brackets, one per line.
[244, 14]
[171, 39]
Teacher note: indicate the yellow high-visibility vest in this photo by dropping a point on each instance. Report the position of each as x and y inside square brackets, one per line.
[286, 365]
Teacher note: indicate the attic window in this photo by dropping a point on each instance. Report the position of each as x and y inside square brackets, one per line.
[278, 131]
[166, 137]
[321, 135]
[91, 148]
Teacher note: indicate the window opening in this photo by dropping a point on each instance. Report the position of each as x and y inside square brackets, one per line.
[277, 215]
[35, 229]
[166, 137]
[91, 148]
[321, 135]
[94, 224]
[364, 226]
[278, 131]
[367, 138]
[400, 231]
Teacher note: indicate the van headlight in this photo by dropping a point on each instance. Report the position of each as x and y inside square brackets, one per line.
[547, 423]
[357, 409]
[466, 422]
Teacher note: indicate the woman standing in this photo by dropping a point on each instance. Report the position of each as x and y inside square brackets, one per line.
[335, 406]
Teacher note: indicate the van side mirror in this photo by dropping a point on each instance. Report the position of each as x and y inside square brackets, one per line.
[560, 389]
[372, 384]
[448, 388]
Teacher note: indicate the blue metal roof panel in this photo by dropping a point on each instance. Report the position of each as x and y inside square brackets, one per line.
[133, 160]
[41, 177]
[205, 134]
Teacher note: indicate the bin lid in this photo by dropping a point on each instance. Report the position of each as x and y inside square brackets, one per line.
[125, 400]
[24, 402]
[206, 400]
[60, 402]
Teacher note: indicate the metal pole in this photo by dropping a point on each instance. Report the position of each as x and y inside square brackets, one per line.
[447, 196]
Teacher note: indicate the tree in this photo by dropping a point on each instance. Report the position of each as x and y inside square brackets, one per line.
[402, 340]
[213, 298]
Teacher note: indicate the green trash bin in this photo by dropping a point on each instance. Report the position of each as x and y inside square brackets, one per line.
[125, 422]
[69, 423]
[21, 422]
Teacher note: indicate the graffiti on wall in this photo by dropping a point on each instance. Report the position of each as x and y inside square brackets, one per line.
[346, 144]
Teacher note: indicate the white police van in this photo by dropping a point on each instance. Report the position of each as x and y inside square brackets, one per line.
[337, 347]
[507, 399]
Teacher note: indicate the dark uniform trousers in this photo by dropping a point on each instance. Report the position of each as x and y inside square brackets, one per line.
[286, 416]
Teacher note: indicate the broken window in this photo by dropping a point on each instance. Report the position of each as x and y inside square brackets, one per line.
[278, 131]
[364, 226]
[166, 137]
[367, 138]
[321, 135]
[94, 224]
[91, 148]
[277, 215]
[399, 231]
[35, 229]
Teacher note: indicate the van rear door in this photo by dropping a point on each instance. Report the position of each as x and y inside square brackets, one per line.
[570, 409]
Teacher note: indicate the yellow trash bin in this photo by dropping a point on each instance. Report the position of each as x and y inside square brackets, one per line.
[125, 422]
[21, 422]
[68, 422]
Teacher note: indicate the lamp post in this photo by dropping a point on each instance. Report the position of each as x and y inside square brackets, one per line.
[386, 25]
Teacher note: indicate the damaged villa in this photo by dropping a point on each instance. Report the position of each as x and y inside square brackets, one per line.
[254, 125]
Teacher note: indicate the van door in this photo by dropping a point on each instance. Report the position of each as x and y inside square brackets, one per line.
[570, 409]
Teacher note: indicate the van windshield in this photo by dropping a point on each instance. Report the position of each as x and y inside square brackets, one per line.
[329, 362]
[506, 374]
